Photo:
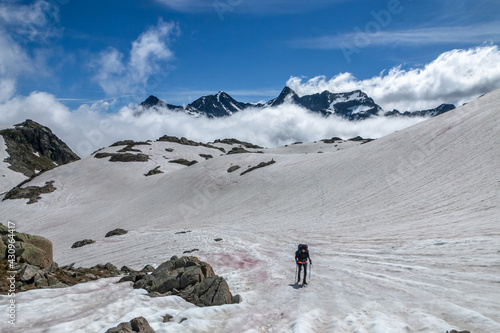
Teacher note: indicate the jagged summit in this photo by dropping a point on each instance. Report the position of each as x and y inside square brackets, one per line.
[354, 105]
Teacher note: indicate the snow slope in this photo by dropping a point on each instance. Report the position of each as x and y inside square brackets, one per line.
[403, 233]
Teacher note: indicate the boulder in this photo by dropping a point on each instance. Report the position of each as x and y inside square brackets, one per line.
[212, 291]
[136, 325]
[28, 272]
[188, 277]
[34, 250]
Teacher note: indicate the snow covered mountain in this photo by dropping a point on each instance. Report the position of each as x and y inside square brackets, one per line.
[403, 231]
[355, 105]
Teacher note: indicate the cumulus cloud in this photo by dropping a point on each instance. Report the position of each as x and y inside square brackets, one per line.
[118, 74]
[456, 77]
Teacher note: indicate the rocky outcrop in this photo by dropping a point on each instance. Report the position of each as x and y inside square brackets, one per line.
[116, 232]
[238, 142]
[123, 157]
[260, 165]
[82, 243]
[130, 143]
[332, 140]
[238, 150]
[187, 277]
[30, 277]
[360, 139]
[33, 148]
[184, 141]
[30, 259]
[136, 325]
[184, 162]
[33, 193]
[206, 156]
[153, 172]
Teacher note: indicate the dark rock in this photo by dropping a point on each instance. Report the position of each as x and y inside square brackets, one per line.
[116, 232]
[33, 193]
[82, 243]
[126, 269]
[206, 156]
[260, 165]
[154, 171]
[238, 150]
[238, 142]
[185, 277]
[128, 149]
[332, 140]
[141, 325]
[125, 157]
[148, 269]
[217, 239]
[167, 318]
[136, 325]
[212, 291]
[190, 251]
[183, 162]
[233, 168]
[129, 143]
[182, 232]
[184, 141]
[358, 138]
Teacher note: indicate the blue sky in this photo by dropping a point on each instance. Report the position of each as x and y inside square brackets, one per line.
[247, 48]
[76, 61]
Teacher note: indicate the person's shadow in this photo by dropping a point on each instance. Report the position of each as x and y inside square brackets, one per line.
[296, 285]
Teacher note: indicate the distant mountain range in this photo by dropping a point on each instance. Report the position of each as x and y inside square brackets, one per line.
[354, 105]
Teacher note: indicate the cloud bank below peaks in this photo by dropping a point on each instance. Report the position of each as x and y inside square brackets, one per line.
[455, 77]
[90, 127]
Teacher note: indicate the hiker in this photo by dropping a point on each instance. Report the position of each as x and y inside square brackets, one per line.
[301, 257]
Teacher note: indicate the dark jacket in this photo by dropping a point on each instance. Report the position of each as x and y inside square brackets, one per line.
[302, 257]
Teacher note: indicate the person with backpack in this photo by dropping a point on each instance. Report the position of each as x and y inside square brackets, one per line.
[301, 258]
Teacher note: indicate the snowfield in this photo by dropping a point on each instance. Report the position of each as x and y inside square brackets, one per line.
[403, 232]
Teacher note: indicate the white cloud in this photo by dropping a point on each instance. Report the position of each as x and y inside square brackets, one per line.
[19, 25]
[118, 74]
[223, 7]
[457, 76]
[32, 22]
[364, 38]
[90, 127]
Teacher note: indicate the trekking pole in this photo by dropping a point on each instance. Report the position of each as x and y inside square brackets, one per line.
[296, 270]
